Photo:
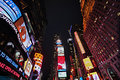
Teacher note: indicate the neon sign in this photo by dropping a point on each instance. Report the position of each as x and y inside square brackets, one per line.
[79, 43]
[7, 68]
[14, 7]
[3, 55]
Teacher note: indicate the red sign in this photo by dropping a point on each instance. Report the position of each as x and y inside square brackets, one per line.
[7, 68]
[61, 63]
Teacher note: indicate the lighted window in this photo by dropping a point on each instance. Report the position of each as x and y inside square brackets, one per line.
[104, 7]
[106, 2]
[112, 38]
[118, 14]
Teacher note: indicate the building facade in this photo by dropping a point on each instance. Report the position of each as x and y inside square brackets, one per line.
[102, 36]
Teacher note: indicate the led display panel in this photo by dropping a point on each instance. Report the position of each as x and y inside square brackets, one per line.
[38, 58]
[61, 63]
[79, 43]
[28, 68]
[94, 75]
[88, 63]
[10, 8]
[62, 74]
[60, 49]
[20, 24]
[58, 42]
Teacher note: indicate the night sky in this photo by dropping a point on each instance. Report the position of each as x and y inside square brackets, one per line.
[60, 15]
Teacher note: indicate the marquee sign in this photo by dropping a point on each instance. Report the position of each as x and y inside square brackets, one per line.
[7, 68]
[6, 60]
[14, 28]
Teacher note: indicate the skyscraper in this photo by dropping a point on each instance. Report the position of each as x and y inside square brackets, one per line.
[102, 36]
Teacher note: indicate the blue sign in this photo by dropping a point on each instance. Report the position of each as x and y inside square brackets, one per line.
[10, 8]
[3, 55]
[81, 78]
[14, 7]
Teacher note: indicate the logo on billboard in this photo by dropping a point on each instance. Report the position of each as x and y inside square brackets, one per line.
[23, 33]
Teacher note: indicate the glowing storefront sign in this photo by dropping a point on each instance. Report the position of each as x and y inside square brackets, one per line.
[23, 33]
[87, 63]
[7, 68]
[11, 9]
[79, 43]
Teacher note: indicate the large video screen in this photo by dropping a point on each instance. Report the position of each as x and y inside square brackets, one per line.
[62, 74]
[58, 42]
[20, 24]
[38, 58]
[11, 9]
[60, 49]
[61, 63]
[88, 64]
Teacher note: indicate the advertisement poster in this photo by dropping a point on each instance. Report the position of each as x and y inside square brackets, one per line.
[61, 63]
[23, 33]
[10, 9]
[28, 68]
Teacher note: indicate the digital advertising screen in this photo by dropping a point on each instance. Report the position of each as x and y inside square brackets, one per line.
[61, 63]
[20, 24]
[38, 58]
[94, 75]
[58, 42]
[88, 64]
[28, 68]
[62, 74]
[10, 9]
[60, 49]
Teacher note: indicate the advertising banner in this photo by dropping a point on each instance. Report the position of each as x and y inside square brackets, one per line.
[28, 68]
[58, 42]
[38, 58]
[8, 64]
[88, 64]
[61, 63]
[10, 9]
[23, 33]
[62, 74]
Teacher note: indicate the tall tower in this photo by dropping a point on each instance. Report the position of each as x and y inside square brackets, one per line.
[101, 33]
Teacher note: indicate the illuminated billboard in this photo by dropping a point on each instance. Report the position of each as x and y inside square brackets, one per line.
[62, 74]
[38, 58]
[58, 42]
[88, 64]
[79, 43]
[60, 49]
[9, 65]
[94, 75]
[28, 67]
[61, 63]
[10, 9]
[20, 24]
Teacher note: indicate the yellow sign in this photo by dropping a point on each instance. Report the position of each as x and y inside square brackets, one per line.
[87, 63]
